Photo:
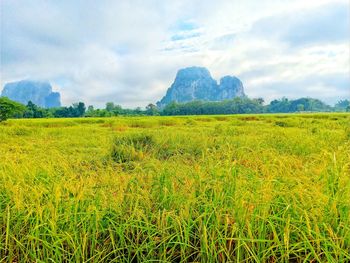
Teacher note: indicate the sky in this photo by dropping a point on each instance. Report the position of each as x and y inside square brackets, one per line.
[128, 51]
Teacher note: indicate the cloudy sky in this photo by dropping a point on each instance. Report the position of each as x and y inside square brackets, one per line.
[128, 51]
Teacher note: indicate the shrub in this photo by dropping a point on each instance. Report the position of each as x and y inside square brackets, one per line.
[131, 148]
[281, 124]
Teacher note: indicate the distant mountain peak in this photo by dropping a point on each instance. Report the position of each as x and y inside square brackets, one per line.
[196, 83]
[193, 73]
[38, 92]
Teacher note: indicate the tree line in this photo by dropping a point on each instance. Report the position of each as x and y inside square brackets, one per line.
[12, 109]
[246, 105]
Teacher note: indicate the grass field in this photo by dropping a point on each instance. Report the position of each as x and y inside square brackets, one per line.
[244, 188]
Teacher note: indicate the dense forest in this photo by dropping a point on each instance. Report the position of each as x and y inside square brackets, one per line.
[11, 109]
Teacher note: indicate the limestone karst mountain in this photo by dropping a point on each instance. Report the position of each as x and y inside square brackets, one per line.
[40, 93]
[196, 83]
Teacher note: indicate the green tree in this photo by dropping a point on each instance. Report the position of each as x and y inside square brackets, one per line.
[282, 105]
[78, 110]
[90, 111]
[236, 105]
[152, 110]
[110, 106]
[33, 111]
[138, 111]
[342, 105]
[81, 109]
[300, 107]
[260, 101]
[118, 110]
[9, 108]
[171, 109]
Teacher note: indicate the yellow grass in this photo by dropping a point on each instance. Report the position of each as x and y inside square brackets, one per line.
[243, 188]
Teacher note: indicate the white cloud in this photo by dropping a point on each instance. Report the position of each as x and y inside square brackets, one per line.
[129, 51]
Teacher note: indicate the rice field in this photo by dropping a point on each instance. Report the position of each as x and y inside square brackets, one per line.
[239, 188]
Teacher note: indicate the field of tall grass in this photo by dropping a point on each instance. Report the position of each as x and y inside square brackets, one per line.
[243, 188]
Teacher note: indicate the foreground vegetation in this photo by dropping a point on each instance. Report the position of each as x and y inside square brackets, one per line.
[246, 188]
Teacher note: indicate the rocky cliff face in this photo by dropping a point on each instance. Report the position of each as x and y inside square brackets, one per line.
[196, 83]
[230, 87]
[40, 93]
